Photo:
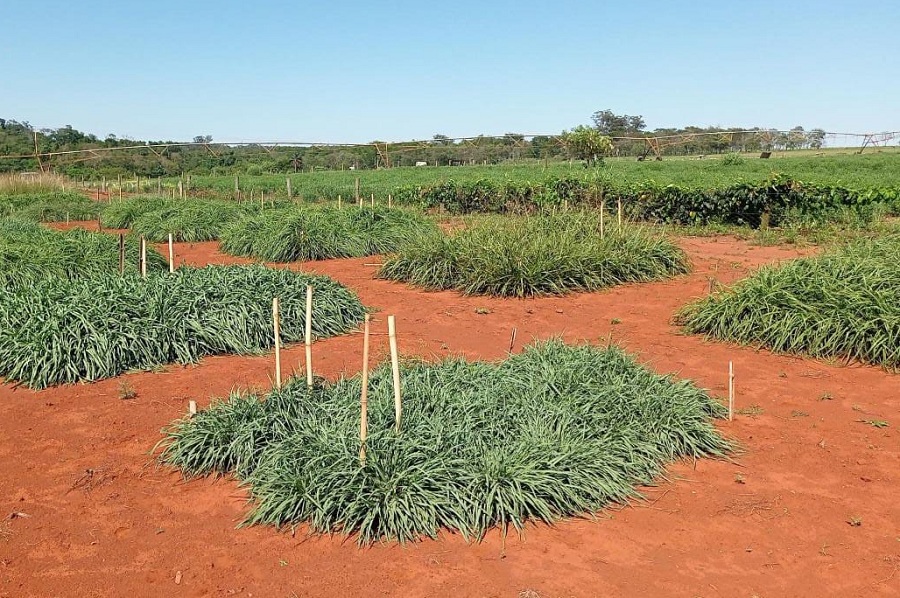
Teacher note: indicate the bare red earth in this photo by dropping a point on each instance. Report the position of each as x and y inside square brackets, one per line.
[86, 512]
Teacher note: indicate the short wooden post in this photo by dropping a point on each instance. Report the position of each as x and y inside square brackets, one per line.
[390, 200]
[180, 189]
[512, 340]
[308, 336]
[121, 254]
[237, 188]
[364, 396]
[730, 391]
[339, 202]
[289, 187]
[619, 202]
[395, 370]
[143, 256]
[192, 408]
[104, 184]
[120, 192]
[159, 185]
[358, 197]
[373, 200]
[276, 325]
[171, 254]
[98, 193]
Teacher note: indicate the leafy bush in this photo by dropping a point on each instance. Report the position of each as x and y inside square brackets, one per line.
[557, 431]
[550, 254]
[313, 233]
[60, 330]
[843, 304]
[186, 219]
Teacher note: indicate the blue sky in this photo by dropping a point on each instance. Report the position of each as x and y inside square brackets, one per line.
[360, 71]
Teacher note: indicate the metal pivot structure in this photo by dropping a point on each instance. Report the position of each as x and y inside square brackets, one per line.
[876, 139]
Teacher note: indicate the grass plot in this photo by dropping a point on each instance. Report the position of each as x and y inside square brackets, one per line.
[556, 431]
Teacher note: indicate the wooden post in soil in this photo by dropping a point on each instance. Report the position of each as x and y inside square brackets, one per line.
[364, 396]
[159, 185]
[120, 192]
[373, 200]
[602, 213]
[237, 188]
[171, 255]
[619, 204]
[390, 200]
[276, 325]
[339, 202]
[289, 192]
[121, 254]
[308, 336]
[395, 370]
[358, 197]
[180, 189]
[98, 193]
[192, 408]
[730, 391]
[143, 256]
[512, 340]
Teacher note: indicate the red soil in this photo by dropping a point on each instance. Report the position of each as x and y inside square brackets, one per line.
[92, 515]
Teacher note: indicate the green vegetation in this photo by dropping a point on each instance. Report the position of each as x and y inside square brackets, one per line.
[844, 304]
[314, 233]
[557, 431]
[186, 219]
[30, 252]
[49, 206]
[58, 330]
[548, 254]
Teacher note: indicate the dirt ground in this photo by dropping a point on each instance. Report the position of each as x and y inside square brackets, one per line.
[808, 508]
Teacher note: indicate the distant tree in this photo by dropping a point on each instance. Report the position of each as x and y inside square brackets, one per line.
[815, 138]
[588, 144]
[203, 139]
[439, 139]
[617, 125]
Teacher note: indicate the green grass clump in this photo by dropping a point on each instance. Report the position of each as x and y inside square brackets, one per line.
[60, 330]
[30, 252]
[122, 214]
[557, 431]
[314, 233]
[55, 206]
[550, 254]
[190, 220]
[843, 304]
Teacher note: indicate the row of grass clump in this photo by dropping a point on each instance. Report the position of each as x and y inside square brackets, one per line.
[844, 304]
[189, 220]
[547, 254]
[556, 431]
[313, 233]
[60, 330]
[779, 198]
[49, 206]
[30, 252]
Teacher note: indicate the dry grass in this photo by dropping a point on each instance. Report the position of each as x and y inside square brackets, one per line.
[27, 182]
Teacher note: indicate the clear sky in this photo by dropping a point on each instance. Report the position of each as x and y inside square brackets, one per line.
[360, 71]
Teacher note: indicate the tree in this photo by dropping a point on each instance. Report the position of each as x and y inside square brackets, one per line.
[815, 138]
[617, 125]
[588, 144]
[203, 139]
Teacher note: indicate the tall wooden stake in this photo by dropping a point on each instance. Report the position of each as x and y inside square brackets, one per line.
[143, 256]
[358, 197]
[620, 213]
[339, 202]
[171, 254]
[395, 370]
[288, 187]
[364, 396]
[390, 200]
[602, 213]
[308, 336]
[373, 200]
[512, 340]
[276, 325]
[121, 254]
[730, 391]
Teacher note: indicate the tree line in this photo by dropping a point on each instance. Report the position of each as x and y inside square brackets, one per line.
[608, 134]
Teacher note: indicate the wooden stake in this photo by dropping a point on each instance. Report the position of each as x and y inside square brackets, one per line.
[364, 396]
[730, 391]
[181, 189]
[339, 202]
[373, 200]
[619, 202]
[308, 339]
[276, 325]
[159, 185]
[120, 192]
[602, 212]
[390, 200]
[237, 189]
[192, 408]
[358, 197]
[143, 256]
[121, 254]
[288, 187]
[395, 370]
[171, 254]
[512, 340]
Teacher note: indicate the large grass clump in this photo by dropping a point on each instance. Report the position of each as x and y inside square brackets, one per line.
[557, 431]
[313, 233]
[844, 304]
[60, 330]
[188, 220]
[550, 254]
[30, 252]
[49, 206]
